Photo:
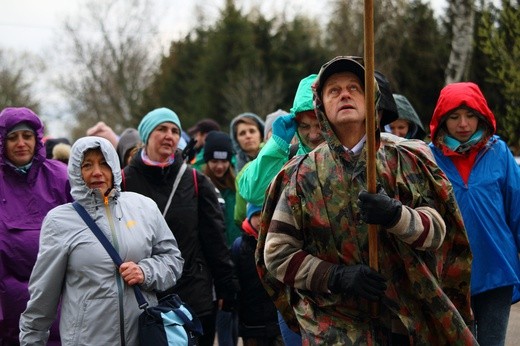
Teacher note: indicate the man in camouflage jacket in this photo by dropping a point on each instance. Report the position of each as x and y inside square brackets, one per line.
[312, 253]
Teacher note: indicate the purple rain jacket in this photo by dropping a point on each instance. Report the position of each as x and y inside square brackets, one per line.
[25, 199]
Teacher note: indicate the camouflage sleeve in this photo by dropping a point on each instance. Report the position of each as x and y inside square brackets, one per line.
[284, 257]
[422, 228]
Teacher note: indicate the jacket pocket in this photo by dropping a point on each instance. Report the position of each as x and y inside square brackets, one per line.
[97, 323]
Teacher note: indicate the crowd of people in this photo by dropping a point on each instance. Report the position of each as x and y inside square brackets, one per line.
[263, 231]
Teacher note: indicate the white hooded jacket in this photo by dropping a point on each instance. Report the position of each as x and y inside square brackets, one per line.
[97, 307]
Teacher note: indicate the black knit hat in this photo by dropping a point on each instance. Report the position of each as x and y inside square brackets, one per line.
[218, 146]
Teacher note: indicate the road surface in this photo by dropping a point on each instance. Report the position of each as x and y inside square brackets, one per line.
[513, 328]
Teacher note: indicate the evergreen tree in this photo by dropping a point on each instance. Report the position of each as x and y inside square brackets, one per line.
[422, 60]
[499, 32]
[344, 34]
[175, 84]
[410, 47]
[241, 63]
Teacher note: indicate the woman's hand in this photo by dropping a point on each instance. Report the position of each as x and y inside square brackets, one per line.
[131, 273]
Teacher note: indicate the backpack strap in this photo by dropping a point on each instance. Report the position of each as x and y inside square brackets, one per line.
[123, 180]
[195, 182]
[175, 184]
[112, 252]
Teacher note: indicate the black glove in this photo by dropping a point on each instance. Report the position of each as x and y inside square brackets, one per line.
[189, 151]
[379, 209]
[359, 280]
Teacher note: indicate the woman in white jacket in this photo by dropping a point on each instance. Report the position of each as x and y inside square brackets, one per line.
[98, 305]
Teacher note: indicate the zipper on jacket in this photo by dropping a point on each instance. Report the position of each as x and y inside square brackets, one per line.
[120, 284]
[479, 156]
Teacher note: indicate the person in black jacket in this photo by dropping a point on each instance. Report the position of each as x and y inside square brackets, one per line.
[193, 214]
[257, 314]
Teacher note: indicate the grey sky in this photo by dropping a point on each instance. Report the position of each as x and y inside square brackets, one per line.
[30, 25]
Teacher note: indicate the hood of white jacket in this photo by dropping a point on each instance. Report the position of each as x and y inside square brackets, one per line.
[79, 190]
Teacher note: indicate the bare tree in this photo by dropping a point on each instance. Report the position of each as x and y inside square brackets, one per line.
[17, 73]
[110, 52]
[463, 24]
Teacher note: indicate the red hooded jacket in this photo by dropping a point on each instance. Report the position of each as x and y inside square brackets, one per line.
[452, 97]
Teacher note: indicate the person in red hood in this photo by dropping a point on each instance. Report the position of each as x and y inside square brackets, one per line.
[486, 182]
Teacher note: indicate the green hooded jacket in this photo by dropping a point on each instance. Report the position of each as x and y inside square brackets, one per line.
[254, 179]
[406, 112]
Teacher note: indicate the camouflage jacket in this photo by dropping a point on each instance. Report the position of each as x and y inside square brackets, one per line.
[312, 205]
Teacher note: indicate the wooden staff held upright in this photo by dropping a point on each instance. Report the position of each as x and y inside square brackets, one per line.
[370, 134]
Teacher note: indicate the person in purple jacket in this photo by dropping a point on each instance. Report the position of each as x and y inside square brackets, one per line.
[30, 186]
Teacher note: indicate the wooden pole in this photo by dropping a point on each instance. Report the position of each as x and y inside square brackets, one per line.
[370, 133]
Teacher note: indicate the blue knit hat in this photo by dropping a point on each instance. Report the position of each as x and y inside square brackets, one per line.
[153, 119]
[252, 210]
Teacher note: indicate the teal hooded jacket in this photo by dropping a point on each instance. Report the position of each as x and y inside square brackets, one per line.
[256, 176]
